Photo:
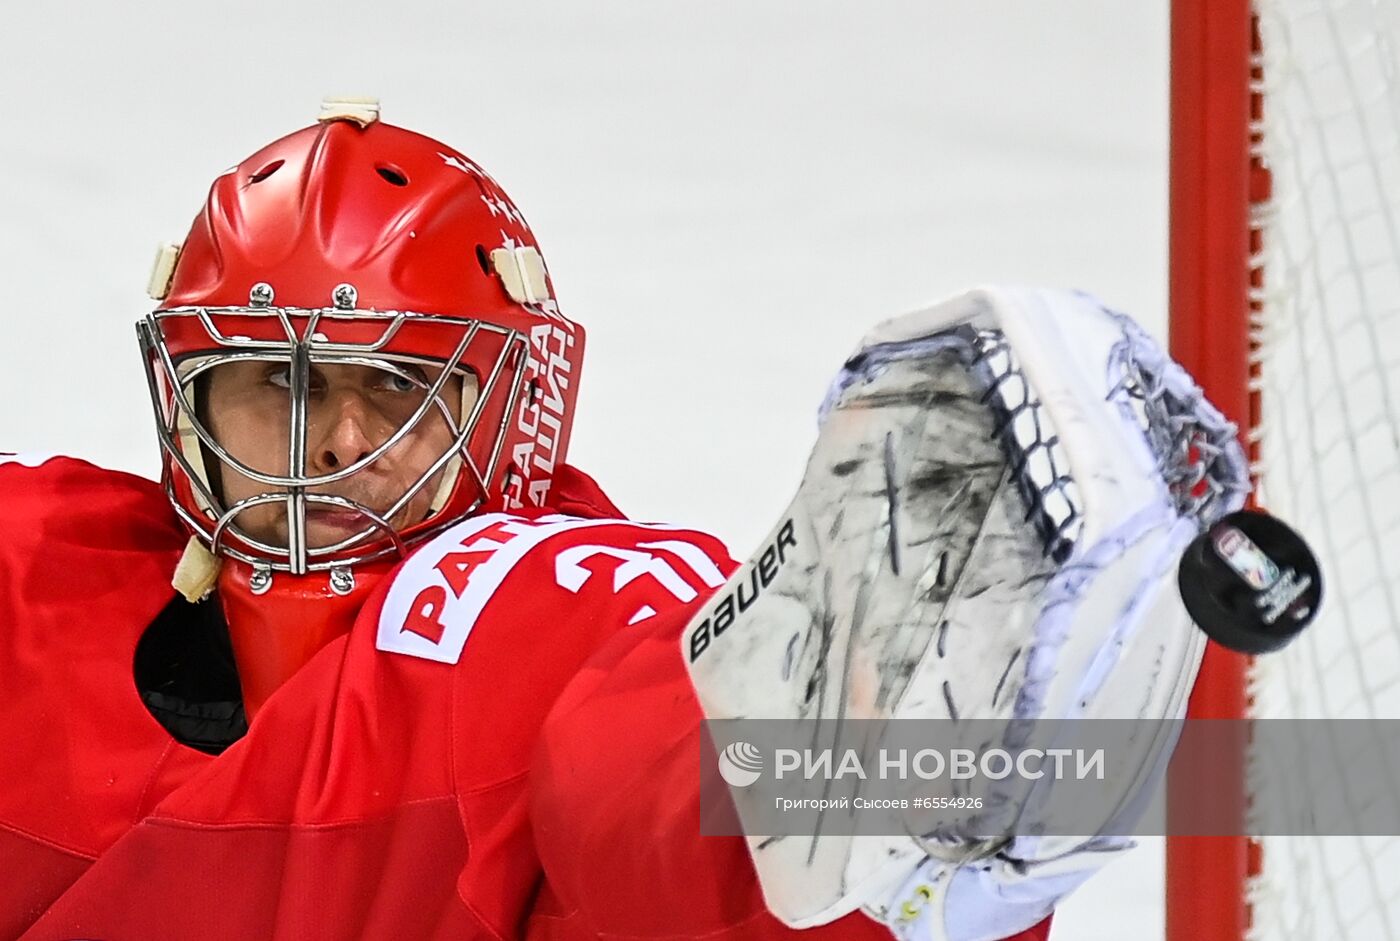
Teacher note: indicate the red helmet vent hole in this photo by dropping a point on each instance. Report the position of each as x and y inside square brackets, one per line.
[391, 174]
[266, 171]
[483, 260]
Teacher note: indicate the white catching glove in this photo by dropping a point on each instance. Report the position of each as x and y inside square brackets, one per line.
[988, 529]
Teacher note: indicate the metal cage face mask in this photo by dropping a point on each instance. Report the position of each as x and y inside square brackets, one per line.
[429, 399]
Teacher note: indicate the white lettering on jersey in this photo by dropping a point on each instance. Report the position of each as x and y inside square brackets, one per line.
[693, 556]
[571, 574]
[438, 595]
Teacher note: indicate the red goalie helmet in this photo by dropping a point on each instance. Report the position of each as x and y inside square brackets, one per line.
[353, 242]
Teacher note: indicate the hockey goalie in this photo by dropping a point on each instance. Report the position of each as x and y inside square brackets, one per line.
[373, 661]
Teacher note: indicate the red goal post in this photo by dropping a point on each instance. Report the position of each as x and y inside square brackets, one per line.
[1285, 305]
[1209, 298]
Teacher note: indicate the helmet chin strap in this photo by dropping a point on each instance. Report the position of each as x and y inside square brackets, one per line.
[275, 632]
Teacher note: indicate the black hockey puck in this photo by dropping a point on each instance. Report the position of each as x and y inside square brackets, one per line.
[1250, 582]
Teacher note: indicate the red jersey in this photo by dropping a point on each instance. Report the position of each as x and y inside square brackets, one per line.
[399, 785]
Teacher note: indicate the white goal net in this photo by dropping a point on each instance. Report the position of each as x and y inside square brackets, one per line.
[1329, 433]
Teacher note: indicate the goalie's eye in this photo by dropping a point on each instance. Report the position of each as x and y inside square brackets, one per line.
[279, 376]
[412, 379]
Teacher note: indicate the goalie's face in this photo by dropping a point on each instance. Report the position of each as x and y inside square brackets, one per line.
[351, 410]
